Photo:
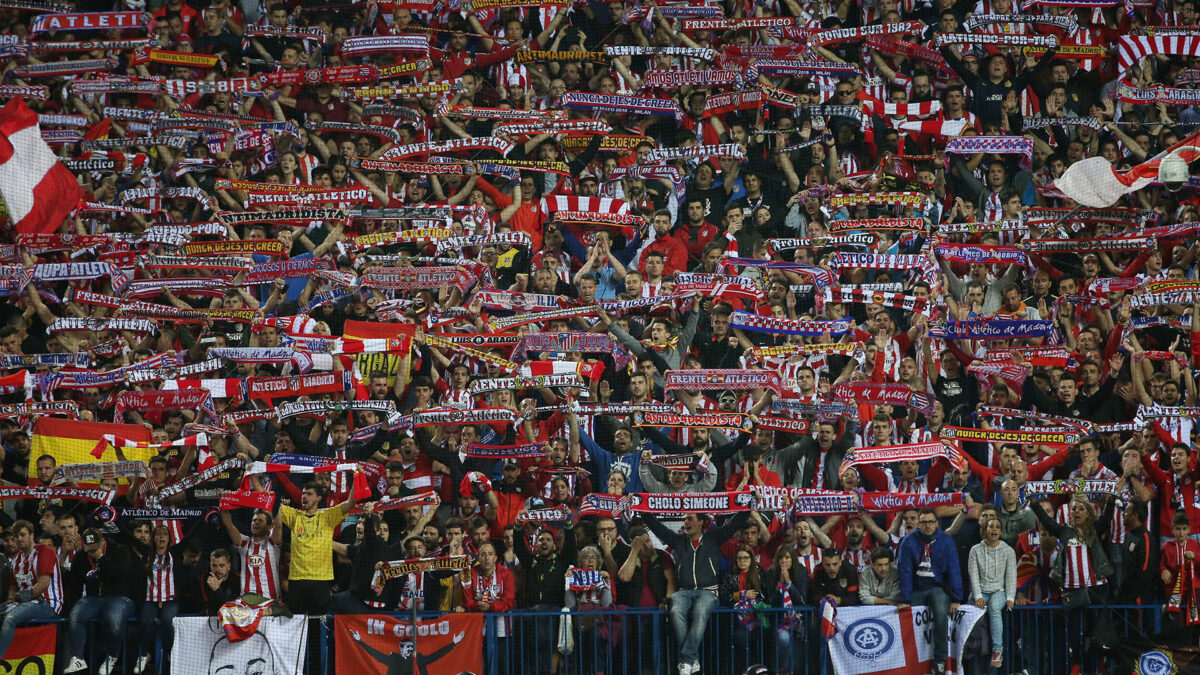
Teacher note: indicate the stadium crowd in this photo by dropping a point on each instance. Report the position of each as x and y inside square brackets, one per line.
[599, 306]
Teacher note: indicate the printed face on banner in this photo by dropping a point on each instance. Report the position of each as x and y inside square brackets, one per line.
[272, 646]
[252, 656]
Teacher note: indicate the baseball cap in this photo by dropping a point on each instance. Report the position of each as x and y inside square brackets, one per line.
[92, 536]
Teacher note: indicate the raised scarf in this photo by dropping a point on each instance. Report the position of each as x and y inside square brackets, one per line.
[908, 303]
[892, 393]
[728, 421]
[1023, 437]
[722, 378]
[770, 324]
[690, 502]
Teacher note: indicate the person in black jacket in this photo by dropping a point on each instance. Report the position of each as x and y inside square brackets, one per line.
[364, 553]
[543, 590]
[1139, 586]
[221, 584]
[643, 568]
[742, 589]
[992, 84]
[834, 580]
[110, 580]
[697, 557]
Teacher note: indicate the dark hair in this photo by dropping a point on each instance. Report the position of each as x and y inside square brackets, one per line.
[315, 487]
[220, 553]
[882, 553]
[1138, 510]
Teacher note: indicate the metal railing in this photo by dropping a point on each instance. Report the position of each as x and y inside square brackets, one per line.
[1039, 639]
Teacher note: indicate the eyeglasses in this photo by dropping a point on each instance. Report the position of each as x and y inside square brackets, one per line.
[743, 557]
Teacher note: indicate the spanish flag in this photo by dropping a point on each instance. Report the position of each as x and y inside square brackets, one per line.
[72, 442]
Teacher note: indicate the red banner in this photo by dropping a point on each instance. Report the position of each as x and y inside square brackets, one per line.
[374, 644]
[32, 651]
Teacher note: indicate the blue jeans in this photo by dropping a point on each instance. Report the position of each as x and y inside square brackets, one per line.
[701, 604]
[21, 614]
[158, 623]
[113, 613]
[936, 600]
[995, 606]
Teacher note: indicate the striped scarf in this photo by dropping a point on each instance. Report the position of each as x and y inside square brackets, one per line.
[908, 303]
[770, 324]
[996, 145]
[886, 454]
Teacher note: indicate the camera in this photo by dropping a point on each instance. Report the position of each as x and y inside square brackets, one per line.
[1173, 172]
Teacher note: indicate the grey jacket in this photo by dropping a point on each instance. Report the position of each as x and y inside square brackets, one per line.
[871, 587]
[674, 355]
[697, 568]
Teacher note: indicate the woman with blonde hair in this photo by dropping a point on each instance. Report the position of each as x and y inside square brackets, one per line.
[1081, 571]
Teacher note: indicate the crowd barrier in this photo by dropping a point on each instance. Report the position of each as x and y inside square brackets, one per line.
[641, 642]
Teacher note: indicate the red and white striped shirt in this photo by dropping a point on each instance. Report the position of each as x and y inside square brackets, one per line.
[160, 582]
[861, 558]
[41, 561]
[260, 567]
[810, 561]
[1078, 571]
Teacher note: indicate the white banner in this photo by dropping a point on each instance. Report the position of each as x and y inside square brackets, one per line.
[883, 640]
[278, 647]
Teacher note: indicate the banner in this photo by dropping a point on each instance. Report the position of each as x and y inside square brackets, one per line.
[32, 651]
[72, 441]
[280, 645]
[375, 644]
[883, 640]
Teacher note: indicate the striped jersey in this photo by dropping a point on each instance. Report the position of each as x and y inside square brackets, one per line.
[41, 561]
[160, 579]
[1078, 569]
[260, 567]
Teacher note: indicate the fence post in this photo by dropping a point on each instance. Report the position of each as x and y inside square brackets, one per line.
[325, 636]
[489, 643]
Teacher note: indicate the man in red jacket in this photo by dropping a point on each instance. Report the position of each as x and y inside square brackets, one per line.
[456, 60]
[671, 247]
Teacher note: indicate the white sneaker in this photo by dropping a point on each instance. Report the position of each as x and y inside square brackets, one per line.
[140, 664]
[106, 667]
[77, 664]
[695, 667]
